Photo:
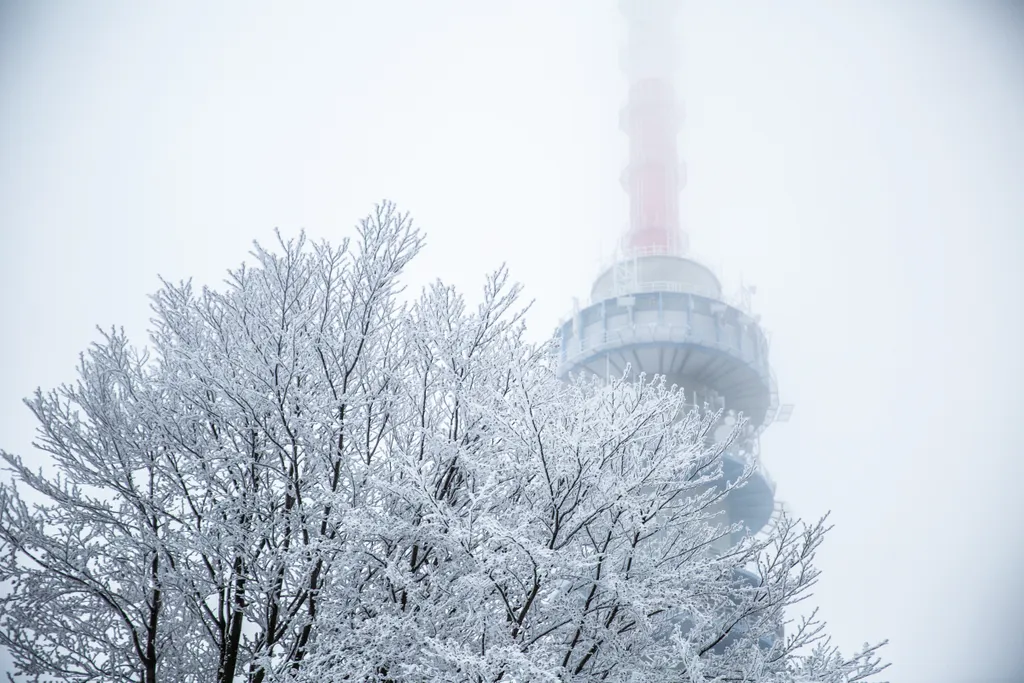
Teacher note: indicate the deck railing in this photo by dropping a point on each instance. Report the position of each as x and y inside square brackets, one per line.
[654, 332]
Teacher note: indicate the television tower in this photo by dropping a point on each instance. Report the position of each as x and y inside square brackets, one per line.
[659, 311]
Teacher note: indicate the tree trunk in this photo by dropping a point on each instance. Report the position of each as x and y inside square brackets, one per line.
[227, 672]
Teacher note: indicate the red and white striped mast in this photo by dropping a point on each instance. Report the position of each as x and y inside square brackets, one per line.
[651, 118]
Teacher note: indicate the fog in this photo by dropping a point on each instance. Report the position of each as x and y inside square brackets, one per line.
[861, 163]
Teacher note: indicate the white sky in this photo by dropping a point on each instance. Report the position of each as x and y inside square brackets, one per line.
[860, 162]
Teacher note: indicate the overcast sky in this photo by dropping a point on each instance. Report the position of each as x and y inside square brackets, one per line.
[860, 162]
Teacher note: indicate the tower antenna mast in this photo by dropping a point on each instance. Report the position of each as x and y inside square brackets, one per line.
[651, 118]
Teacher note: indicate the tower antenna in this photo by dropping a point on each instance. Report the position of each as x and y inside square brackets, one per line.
[651, 117]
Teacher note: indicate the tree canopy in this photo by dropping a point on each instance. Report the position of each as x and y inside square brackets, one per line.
[304, 478]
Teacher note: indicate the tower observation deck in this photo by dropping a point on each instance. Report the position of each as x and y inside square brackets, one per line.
[656, 310]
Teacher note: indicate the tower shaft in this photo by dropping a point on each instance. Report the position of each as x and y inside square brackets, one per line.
[658, 311]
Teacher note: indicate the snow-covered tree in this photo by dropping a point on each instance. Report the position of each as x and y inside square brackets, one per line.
[305, 479]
